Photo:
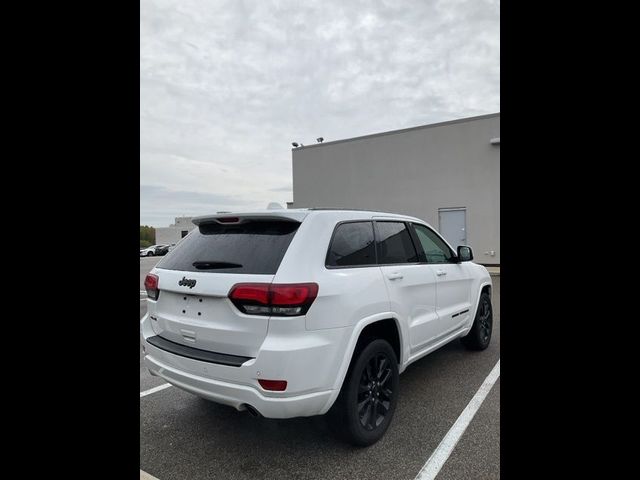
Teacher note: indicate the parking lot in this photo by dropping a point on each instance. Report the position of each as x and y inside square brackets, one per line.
[185, 437]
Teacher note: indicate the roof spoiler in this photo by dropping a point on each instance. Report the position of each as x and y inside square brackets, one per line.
[238, 218]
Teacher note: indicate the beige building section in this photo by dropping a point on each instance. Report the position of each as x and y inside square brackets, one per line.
[423, 171]
[173, 233]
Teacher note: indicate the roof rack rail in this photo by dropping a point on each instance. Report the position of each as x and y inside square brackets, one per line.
[354, 210]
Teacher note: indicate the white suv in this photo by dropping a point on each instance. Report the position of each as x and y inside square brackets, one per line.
[304, 312]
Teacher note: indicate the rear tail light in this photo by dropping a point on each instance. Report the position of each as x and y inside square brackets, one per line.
[274, 385]
[151, 286]
[273, 298]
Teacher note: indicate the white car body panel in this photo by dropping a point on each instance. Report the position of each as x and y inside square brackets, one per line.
[311, 352]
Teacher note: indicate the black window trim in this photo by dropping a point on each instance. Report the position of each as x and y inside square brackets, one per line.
[417, 245]
[406, 224]
[421, 253]
[335, 229]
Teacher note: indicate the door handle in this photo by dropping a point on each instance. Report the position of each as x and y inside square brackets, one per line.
[395, 276]
[440, 273]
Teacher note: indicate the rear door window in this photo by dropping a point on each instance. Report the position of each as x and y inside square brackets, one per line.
[352, 245]
[253, 247]
[394, 244]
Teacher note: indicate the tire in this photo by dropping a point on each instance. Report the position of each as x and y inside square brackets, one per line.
[149, 254]
[479, 336]
[375, 392]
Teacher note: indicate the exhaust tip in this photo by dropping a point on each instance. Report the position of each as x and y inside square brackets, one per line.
[254, 413]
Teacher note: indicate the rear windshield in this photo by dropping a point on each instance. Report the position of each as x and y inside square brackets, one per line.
[254, 247]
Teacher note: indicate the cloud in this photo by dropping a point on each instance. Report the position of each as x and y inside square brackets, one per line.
[284, 188]
[184, 203]
[226, 86]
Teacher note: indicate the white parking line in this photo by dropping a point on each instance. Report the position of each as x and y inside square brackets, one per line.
[448, 443]
[146, 476]
[154, 390]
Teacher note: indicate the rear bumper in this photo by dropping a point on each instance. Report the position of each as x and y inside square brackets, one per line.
[239, 396]
[308, 361]
[197, 354]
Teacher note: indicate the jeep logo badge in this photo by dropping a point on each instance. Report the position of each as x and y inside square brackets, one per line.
[187, 282]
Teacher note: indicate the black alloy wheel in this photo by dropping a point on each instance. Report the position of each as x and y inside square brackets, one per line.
[375, 391]
[364, 408]
[485, 319]
[479, 336]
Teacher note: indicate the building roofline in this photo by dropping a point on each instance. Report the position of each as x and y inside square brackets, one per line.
[402, 130]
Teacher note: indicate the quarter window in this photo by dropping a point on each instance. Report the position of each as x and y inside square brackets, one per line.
[352, 245]
[394, 244]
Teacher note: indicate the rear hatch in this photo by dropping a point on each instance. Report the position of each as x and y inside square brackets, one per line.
[195, 278]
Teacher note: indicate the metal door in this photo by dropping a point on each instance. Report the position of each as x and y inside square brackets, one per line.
[453, 225]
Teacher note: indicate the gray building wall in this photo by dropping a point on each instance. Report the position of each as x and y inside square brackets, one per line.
[415, 171]
[173, 233]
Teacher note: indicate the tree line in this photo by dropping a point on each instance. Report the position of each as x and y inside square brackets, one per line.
[147, 236]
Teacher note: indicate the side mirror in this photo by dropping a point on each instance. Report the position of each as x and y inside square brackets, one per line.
[465, 254]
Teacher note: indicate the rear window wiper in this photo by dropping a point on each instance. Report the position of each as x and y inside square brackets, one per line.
[210, 265]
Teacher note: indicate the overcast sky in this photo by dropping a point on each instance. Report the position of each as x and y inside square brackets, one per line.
[226, 86]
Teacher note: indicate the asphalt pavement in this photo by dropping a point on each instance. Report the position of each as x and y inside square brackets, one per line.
[185, 437]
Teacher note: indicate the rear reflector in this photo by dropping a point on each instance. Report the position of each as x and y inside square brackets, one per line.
[274, 298]
[273, 385]
[151, 286]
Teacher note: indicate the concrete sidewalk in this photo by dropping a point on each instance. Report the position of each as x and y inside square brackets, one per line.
[494, 271]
